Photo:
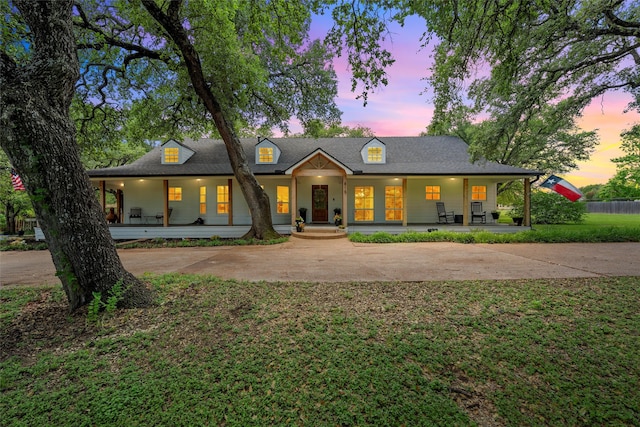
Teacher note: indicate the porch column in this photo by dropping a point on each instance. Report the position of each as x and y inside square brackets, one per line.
[527, 202]
[165, 203]
[465, 202]
[103, 196]
[344, 200]
[404, 202]
[230, 215]
[119, 205]
[294, 199]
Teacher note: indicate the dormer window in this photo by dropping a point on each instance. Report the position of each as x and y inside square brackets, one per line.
[174, 153]
[171, 155]
[373, 152]
[267, 153]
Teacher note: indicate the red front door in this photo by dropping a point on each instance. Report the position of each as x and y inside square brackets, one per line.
[320, 197]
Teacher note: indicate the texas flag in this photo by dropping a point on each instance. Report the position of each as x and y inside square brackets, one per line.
[562, 187]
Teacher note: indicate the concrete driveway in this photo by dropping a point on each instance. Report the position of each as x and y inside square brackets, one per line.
[340, 260]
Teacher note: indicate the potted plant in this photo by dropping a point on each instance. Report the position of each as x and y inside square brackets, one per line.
[299, 224]
[517, 214]
[337, 216]
[495, 215]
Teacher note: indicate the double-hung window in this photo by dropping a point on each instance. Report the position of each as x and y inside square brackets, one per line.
[222, 199]
[393, 203]
[363, 204]
[282, 199]
[203, 200]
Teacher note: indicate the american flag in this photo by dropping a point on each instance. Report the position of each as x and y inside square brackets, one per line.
[16, 181]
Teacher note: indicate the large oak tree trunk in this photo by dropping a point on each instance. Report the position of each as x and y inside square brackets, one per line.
[257, 199]
[39, 139]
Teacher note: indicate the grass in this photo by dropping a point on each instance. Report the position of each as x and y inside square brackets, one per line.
[213, 352]
[595, 220]
[596, 228]
[214, 241]
[28, 243]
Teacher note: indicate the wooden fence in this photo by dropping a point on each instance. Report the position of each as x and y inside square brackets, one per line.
[614, 207]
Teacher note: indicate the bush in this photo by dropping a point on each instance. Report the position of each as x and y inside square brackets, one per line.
[552, 208]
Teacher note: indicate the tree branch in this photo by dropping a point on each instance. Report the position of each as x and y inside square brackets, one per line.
[622, 23]
[140, 51]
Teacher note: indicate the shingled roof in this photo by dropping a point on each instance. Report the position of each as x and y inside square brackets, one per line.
[424, 155]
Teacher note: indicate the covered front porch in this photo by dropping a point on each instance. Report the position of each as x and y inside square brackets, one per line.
[154, 231]
[321, 186]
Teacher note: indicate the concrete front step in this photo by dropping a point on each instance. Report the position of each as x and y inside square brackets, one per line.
[319, 233]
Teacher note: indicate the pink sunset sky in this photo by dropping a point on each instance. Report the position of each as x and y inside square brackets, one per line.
[404, 107]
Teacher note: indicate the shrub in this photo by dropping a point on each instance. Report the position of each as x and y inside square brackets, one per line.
[552, 208]
[383, 237]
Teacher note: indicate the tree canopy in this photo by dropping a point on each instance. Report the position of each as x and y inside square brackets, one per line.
[256, 57]
[526, 55]
[138, 70]
[206, 69]
[318, 129]
[522, 70]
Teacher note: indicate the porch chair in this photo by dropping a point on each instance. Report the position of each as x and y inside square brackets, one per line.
[443, 215]
[135, 213]
[160, 216]
[477, 212]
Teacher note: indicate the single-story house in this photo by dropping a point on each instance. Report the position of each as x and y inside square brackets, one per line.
[372, 181]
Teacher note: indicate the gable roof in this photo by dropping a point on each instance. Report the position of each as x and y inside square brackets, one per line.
[314, 154]
[423, 155]
[184, 154]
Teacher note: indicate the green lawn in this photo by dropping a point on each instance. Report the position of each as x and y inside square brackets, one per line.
[525, 352]
[597, 220]
[595, 228]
